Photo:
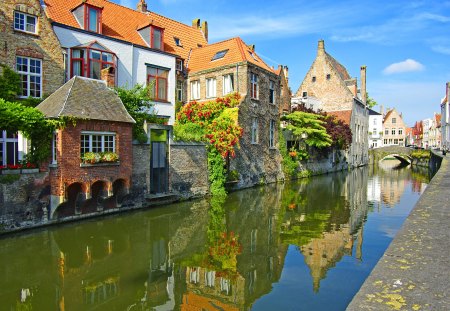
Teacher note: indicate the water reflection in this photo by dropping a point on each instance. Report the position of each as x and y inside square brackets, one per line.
[228, 254]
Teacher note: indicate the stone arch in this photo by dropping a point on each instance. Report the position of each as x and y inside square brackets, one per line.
[74, 197]
[121, 189]
[404, 159]
[99, 192]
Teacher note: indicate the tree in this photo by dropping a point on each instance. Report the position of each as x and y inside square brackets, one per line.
[370, 102]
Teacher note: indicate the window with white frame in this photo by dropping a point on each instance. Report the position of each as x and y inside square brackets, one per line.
[98, 142]
[179, 90]
[195, 89]
[210, 87]
[400, 131]
[272, 134]
[228, 85]
[254, 92]
[254, 131]
[271, 92]
[386, 131]
[30, 71]
[9, 148]
[393, 132]
[179, 64]
[25, 22]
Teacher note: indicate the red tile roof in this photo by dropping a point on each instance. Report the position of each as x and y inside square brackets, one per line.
[237, 51]
[122, 23]
[343, 115]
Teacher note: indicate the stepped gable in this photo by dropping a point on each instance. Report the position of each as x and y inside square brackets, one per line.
[237, 52]
[123, 23]
[84, 98]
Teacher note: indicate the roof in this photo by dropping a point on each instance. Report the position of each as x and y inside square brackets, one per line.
[237, 51]
[373, 113]
[340, 69]
[85, 98]
[343, 115]
[122, 23]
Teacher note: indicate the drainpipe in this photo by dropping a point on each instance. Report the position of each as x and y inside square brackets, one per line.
[132, 65]
[237, 78]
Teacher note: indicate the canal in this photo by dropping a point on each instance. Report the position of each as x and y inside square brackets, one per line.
[305, 245]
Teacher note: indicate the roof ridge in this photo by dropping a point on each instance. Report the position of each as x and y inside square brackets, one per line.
[67, 97]
[240, 43]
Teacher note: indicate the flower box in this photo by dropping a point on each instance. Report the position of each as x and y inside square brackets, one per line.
[9, 172]
[100, 164]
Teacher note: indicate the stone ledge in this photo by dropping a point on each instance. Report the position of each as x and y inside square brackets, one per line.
[100, 164]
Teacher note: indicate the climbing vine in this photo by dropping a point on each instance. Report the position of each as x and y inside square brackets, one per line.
[215, 123]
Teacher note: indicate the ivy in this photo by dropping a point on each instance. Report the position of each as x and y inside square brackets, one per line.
[215, 123]
[10, 84]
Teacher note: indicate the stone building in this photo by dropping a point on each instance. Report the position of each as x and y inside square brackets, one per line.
[101, 124]
[31, 48]
[445, 117]
[232, 66]
[146, 49]
[329, 87]
[394, 129]
[285, 90]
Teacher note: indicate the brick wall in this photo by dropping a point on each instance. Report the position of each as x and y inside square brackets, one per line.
[68, 170]
[43, 45]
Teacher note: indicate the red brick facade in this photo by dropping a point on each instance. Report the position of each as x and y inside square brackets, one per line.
[69, 170]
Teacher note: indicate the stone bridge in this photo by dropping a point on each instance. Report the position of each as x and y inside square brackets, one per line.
[403, 154]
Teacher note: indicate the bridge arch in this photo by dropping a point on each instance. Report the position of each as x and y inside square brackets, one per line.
[403, 154]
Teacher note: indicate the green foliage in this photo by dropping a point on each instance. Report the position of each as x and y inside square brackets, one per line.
[289, 164]
[421, 154]
[303, 124]
[9, 179]
[213, 122]
[137, 101]
[33, 125]
[370, 102]
[99, 157]
[232, 175]
[10, 84]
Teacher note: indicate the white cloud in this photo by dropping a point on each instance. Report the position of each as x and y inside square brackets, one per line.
[408, 65]
[441, 49]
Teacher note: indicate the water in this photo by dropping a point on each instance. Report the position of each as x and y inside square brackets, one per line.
[307, 245]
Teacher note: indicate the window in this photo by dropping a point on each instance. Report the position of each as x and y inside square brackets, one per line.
[313, 79]
[385, 141]
[179, 90]
[210, 87]
[177, 41]
[156, 38]
[254, 92]
[25, 22]
[305, 94]
[9, 148]
[91, 60]
[395, 141]
[30, 71]
[374, 121]
[272, 134]
[271, 92]
[195, 89]
[328, 76]
[54, 147]
[386, 132]
[393, 132]
[228, 85]
[394, 120]
[254, 131]
[97, 142]
[400, 131]
[179, 64]
[219, 55]
[374, 131]
[92, 19]
[157, 80]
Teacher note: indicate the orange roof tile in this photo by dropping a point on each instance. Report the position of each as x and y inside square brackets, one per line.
[122, 23]
[238, 51]
[343, 115]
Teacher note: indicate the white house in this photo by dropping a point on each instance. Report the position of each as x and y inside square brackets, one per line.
[103, 40]
[375, 129]
[445, 118]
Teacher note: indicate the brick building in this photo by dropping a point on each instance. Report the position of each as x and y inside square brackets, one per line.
[417, 133]
[102, 124]
[329, 87]
[394, 129]
[30, 47]
[285, 90]
[232, 66]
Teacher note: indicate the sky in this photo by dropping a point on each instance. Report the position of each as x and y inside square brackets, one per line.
[404, 44]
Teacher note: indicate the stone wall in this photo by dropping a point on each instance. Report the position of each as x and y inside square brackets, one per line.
[44, 45]
[318, 163]
[24, 201]
[188, 173]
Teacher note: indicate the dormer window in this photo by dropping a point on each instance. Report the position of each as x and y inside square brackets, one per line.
[156, 38]
[25, 22]
[92, 19]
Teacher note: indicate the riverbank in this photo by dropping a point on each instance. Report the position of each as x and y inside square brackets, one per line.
[413, 273]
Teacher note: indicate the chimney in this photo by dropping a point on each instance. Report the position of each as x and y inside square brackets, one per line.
[109, 76]
[141, 6]
[363, 84]
[205, 29]
[196, 23]
[321, 47]
[251, 47]
[286, 72]
[382, 110]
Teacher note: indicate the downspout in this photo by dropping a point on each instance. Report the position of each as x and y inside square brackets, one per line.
[132, 65]
[237, 78]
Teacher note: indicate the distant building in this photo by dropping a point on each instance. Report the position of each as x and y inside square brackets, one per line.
[409, 139]
[445, 117]
[434, 135]
[329, 87]
[426, 125]
[394, 129]
[417, 133]
[375, 129]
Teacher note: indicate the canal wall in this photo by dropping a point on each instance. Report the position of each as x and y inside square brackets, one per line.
[414, 271]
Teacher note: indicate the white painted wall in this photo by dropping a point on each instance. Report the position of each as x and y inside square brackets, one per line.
[375, 127]
[131, 63]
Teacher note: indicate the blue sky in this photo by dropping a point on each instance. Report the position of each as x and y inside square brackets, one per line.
[404, 44]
